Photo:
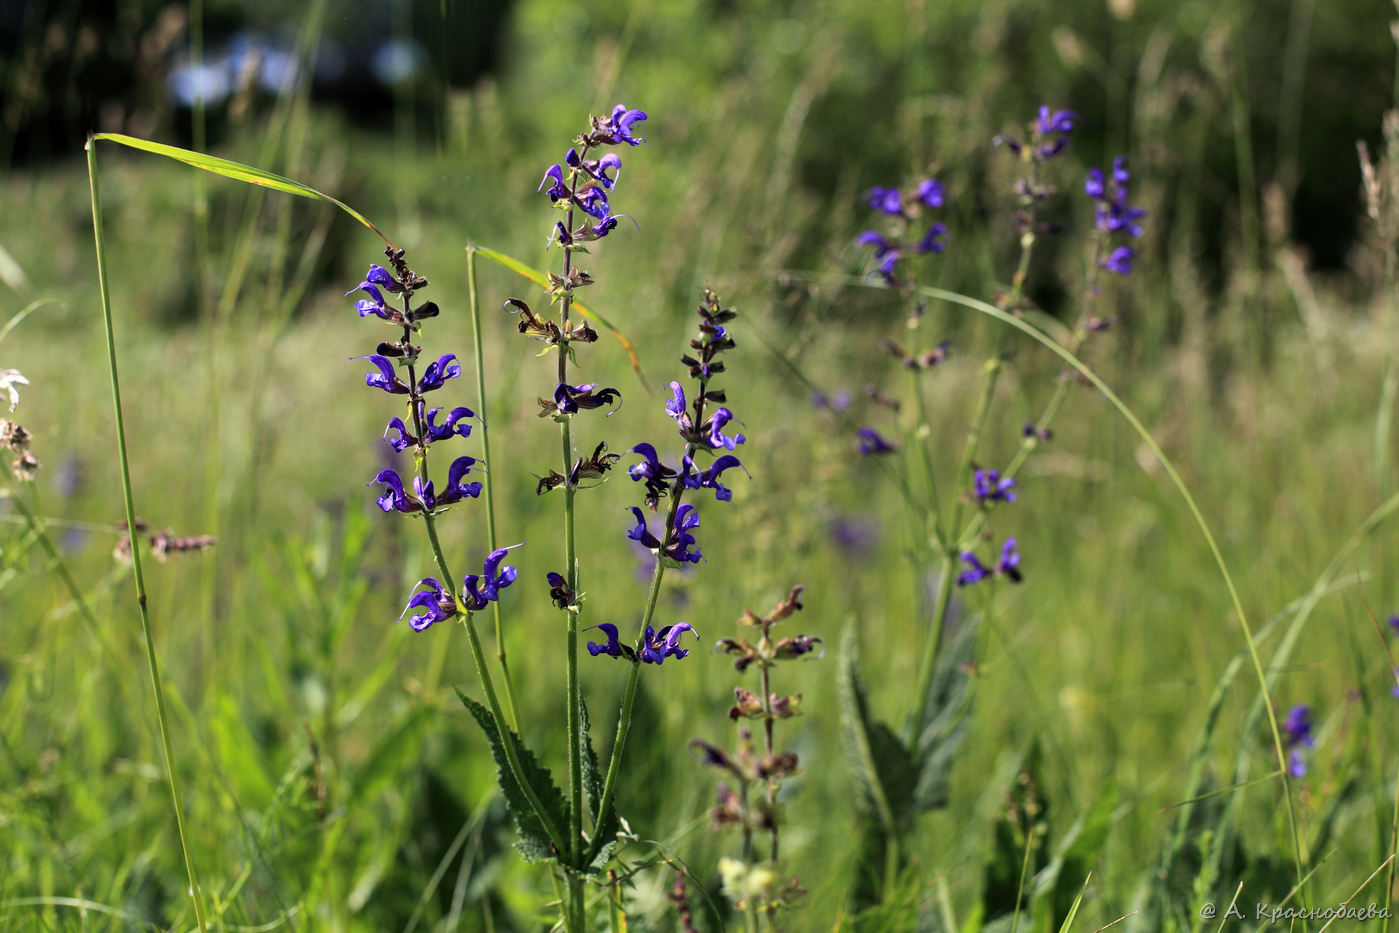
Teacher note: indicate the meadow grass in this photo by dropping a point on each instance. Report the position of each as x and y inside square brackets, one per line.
[325, 787]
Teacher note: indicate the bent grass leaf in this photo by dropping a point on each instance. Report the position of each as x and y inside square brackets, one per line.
[534, 842]
[524, 271]
[236, 170]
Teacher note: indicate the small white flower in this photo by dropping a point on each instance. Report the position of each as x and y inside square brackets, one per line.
[9, 378]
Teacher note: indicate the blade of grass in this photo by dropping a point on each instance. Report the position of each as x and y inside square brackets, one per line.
[524, 271]
[95, 193]
[235, 170]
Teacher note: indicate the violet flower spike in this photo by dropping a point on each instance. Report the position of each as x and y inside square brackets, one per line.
[930, 192]
[437, 604]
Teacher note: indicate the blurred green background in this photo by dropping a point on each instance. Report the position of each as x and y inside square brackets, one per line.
[325, 788]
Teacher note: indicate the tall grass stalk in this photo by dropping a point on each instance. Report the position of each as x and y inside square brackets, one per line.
[474, 301]
[196, 894]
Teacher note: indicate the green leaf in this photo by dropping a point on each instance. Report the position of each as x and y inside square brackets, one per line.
[946, 710]
[592, 784]
[534, 842]
[1078, 851]
[524, 271]
[235, 170]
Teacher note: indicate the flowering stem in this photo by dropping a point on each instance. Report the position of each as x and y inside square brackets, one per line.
[763, 673]
[484, 428]
[950, 546]
[575, 721]
[196, 893]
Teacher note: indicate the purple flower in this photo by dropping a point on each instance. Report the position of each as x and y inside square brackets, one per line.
[569, 399]
[457, 487]
[709, 479]
[1058, 121]
[600, 167]
[618, 129]
[1008, 566]
[455, 424]
[990, 486]
[394, 498]
[386, 378]
[716, 439]
[558, 190]
[1297, 728]
[871, 442]
[436, 604]
[1394, 623]
[886, 200]
[1119, 261]
[612, 646]
[658, 646]
[650, 469]
[480, 589]
[437, 373]
[930, 192]
[681, 544]
[676, 407]
[932, 240]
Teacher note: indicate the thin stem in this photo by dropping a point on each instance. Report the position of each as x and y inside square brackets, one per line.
[575, 700]
[609, 786]
[768, 717]
[196, 894]
[484, 427]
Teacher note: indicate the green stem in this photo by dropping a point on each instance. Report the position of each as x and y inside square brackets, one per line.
[609, 786]
[484, 428]
[196, 894]
[577, 905]
[575, 699]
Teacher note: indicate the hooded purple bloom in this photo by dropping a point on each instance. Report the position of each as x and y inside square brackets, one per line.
[930, 192]
[457, 488]
[1394, 623]
[886, 200]
[1008, 566]
[386, 378]
[709, 479]
[485, 587]
[1058, 121]
[612, 646]
[394, 497]
[932, 240]
[600, 167]
[871, 442]
[990, 486]
[437, 373]
[569, 399]
[620, 128]
[436, 604]
[666, 643]
[650, 469]
[1119, 261]
[558, 190]
[680, 548]
[455, 424]
[675, 408]
[716, 439]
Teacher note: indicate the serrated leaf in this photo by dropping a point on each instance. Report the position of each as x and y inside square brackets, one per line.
[534, 843]
[592, 784]
[883, 767]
